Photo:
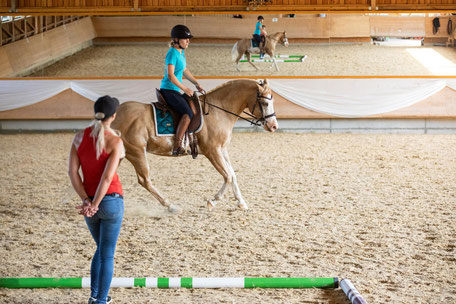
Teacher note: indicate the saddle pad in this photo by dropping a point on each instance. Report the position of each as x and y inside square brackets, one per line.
[163, 125]
[255, 43]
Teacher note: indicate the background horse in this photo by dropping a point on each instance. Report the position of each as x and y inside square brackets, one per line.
[135, 121]
[244, 46]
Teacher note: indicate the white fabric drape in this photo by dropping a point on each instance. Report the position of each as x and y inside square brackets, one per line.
[356, 97]
[451, 83]
[336, 97]
[20, 93]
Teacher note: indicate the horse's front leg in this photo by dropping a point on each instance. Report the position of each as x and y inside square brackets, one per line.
[274, 62]
[138, 157]
[237, 192]
[224, 168]
[250, 61]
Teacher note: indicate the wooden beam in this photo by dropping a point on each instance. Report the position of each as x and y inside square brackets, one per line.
[1, 32]
[13, 35]
[13, 6]
[373, 5]
[24, 23]
[37, 26]
[136, 5]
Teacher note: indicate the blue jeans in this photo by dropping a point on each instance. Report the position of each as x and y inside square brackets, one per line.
[105, 228]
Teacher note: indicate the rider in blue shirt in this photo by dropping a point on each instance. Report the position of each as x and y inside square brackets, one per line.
[171, 84]
[257, 35]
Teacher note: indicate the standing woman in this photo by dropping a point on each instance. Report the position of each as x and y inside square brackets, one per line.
[171, 84]
[97, 150]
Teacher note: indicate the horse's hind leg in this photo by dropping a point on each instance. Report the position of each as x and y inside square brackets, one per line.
[250, 61]
[218, 162]
[138, 158]
[237, 62]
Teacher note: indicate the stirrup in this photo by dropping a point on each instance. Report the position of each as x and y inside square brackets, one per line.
[179, 151]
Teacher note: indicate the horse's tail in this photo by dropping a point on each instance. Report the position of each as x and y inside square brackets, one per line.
[234, 52]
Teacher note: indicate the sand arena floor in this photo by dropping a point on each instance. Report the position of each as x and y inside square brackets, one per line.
[215, 60]
[378, 209]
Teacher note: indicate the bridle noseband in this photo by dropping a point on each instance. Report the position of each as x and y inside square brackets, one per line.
[255, 120]
[264, 117]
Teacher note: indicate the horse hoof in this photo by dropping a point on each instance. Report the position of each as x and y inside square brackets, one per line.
[210, 204]
[173, 209]
[243, 206]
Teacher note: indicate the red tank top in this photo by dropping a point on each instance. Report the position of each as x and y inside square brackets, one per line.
[92, 168]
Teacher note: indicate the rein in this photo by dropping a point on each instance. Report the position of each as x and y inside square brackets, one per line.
[256, 123]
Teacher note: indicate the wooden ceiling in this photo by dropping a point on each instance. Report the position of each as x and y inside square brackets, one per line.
[150, 7]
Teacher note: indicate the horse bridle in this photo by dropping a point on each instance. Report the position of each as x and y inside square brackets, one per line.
[255, 121]
[285, 39]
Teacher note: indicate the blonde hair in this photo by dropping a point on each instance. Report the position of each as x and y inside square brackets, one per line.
[98, 131]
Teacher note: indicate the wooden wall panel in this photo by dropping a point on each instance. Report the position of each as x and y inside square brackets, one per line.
[224, 26]
[349, 26]
[5, 66]
[50, 45]
[442, 32]
[394, 26]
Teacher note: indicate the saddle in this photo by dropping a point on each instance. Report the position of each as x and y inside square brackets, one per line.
[195, 123]
[255, 43]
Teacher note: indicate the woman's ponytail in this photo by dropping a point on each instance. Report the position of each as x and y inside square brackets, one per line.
[97, 134]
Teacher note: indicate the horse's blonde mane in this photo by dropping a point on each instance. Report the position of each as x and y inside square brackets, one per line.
[228, 83]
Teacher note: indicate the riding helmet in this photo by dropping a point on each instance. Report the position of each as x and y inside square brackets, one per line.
[181, 32]
[260, 18]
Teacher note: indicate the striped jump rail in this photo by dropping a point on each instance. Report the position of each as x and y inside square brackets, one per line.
[174, 282]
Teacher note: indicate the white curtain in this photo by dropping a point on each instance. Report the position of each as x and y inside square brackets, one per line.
[356, 97]
[451, 83]
[20, 93]
[336, 97]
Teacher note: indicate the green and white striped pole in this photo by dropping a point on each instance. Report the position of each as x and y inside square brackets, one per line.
[279, 56]
[294, 58]
[277, 60]
[174, 282]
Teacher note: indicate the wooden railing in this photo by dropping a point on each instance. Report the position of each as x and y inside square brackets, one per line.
[24, 27]
[207, 6]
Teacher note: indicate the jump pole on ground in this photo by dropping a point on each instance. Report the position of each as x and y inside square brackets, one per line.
[301, 59]
[350, 291]
[175, 282]
[279, 56]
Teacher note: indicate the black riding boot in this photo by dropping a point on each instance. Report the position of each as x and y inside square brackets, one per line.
[180, 132]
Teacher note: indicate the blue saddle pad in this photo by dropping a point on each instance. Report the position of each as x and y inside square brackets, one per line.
[255, 43]
[165, 125]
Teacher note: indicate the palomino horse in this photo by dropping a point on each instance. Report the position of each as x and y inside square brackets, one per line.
[244, 46]
[135, 121]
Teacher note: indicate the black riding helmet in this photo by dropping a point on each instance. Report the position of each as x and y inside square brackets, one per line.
[181, 32]
[260, 18]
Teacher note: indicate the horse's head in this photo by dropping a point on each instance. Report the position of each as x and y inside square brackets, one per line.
[283, 39]
[263, 107]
